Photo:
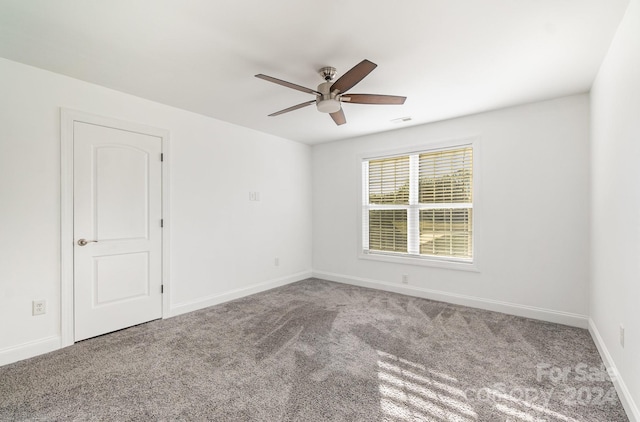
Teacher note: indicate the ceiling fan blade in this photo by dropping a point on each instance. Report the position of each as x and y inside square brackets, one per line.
[287, 84]
[295, 107]
[338, 117]
[372, 99]
[353, 76]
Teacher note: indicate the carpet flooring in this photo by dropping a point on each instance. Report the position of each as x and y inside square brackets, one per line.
[320, 351]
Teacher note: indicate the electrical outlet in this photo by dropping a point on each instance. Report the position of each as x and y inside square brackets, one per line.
[276, 262]
[39, 307]
[254, 196]
[621, 335]
[405, 278]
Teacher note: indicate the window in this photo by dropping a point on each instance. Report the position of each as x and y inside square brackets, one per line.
[419, 205]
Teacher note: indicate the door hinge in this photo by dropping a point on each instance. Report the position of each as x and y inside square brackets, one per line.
[162, 222]
[161, 156]
[162, 288]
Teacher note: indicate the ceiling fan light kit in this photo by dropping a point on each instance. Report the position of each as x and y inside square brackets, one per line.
[327, 101]
[330, 95]
[330, 105]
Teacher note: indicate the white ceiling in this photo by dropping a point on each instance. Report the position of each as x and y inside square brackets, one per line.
[449, 57]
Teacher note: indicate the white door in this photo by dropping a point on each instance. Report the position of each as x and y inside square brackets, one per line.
[117, 212]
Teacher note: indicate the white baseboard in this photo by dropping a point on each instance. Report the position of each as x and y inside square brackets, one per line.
[549, 315]
[29, 349]
[623, 392]
[205, 302]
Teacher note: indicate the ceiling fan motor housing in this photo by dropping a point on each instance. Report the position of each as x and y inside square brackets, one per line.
[328, 102]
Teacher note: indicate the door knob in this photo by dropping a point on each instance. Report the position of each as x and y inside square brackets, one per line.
[83, 242]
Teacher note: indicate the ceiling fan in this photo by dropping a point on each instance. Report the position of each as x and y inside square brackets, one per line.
[330, 95]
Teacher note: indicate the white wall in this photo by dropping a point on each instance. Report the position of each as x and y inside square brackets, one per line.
[220, 241]
[532, 244]
[615, 221]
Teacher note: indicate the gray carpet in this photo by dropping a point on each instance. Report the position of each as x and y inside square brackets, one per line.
[320, 351]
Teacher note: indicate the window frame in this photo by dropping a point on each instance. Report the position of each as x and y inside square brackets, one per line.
[417, 259]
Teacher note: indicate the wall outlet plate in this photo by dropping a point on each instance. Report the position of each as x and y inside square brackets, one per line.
[39, 307]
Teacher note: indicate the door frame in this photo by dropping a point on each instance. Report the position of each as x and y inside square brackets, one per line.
[67, 119]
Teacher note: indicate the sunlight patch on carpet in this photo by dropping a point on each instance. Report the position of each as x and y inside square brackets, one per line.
[409, 392]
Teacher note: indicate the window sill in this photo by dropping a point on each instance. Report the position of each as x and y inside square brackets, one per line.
[421, 261]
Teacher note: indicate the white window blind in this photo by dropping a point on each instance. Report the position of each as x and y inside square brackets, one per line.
[389, 189]
[420, 204]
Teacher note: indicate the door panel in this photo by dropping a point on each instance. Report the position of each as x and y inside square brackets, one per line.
[117, 209]
[120, 277]
[122, 199]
